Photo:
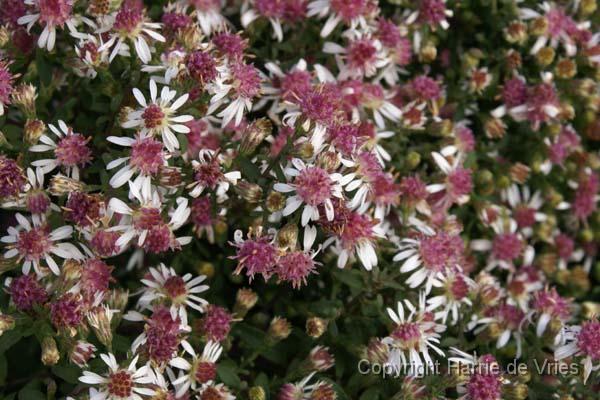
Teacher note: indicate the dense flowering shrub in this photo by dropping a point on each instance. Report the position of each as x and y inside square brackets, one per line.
[299, 199]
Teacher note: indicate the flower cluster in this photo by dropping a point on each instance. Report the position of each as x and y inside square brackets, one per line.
[209, 199]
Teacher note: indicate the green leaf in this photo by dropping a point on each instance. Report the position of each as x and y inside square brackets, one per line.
[69, 373]
[227, 373]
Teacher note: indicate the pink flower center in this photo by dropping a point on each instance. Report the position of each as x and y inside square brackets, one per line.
[432, 11]
[484, 387]
[73, 150]
[120, 384]
[209, 174]
[361, 53]
[153, 116]
[147, 155]
[459, 182]
[588, 339]
[55, 12]
[147, 218]
[34, 244]
[313, 185]
[202, 66]
[270, 8]
[246, 80]
[293, 84]
[175, 287]
[295, 267]
[349, 9]
[408, 334]
[205, 371]
[525, 216]
[440, 251]
[128, 19]
[459, 288]
[507, 246]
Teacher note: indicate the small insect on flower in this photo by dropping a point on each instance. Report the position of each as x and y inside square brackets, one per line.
[158, 117]
[33, 242]
[51, 14]
[71, 152]
[119, 383]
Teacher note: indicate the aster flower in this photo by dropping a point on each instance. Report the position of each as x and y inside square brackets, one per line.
[6, 84]
[90, 57]
[413, 336]
[209, 175]
[129, 24]
[257, 254]
[163, 284]
[362, 57]
[172, 63]
[428, 255]
[353, 13]
[12, 178]
[211, 390]
[209, 15]
[34, 197]
[158, 117]
[313, 187]
[525, 207]
[147, 157]
[51, 14]
[507, 246]
[26, 292]
[273, 10]
[583, 342]
[71, 152]
[456, 287]
[457, 184]
[201, 370]
[503, 321]
[146, 223]
[549, 306]
[484, 381]
[432, 13]
[33, 242]
[119, 383]
[239, 85]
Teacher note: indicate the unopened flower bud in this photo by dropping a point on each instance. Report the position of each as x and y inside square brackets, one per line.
[244, 301]
[328, 160]
[33, 130]
[287, 237]
[279, 329]
[548, 263]
[50, 354]
[590, 309]
[587, 7]
[190, 36]
[319, 359]
[413, 159]
[254, 135]
[23, 96]
[565, 69]
[516, 32]
[513, 60]
[256, 393]
[206, 268]
[81, 353]
[61, 185]
[428, 53]
[579, 279]
[517, 391]
[485, 182]
[100, 321]
[71, 270]
[376, 352]
[545, 56]
[170, 177]
[494, 128]
[275, 201]
[7, 323]
[124, 114]
[444, 127]
[4, 36]
[519, 172]
[305, 151]
[251, 192]
[315, 327]
[538, 26]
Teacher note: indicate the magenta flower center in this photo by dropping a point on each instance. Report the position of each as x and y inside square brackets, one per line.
[313, 185]
[588, 339]
[73, 150]
[120, 384]
[55, 12]
[153, 116]
[147, 155]
[349, 9]
[361, 53]
[34, 244]
[175, 288]
[507, 246]
[408, 335]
